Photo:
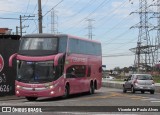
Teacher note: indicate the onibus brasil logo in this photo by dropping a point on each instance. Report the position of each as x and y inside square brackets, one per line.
[1, 63]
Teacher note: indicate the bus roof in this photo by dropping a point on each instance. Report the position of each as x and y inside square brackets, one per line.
[43, 35]
[76, 37]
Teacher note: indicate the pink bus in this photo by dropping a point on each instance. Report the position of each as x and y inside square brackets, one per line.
[57, 65]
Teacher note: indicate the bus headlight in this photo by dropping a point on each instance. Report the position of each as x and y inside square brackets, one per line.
[18, 86]
[52, 92]
[51, 86]
[17, 92]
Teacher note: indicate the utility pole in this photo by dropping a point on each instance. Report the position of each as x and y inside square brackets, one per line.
[21, 19]
[40, 16]
[16, 30]
[90, 28]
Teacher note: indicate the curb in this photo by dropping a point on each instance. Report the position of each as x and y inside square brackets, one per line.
[119, 85]
[11, 97]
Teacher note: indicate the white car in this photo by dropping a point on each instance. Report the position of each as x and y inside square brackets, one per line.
[109, 78]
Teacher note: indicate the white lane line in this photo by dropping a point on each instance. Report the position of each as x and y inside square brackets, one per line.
[155, 101]
[150, 99]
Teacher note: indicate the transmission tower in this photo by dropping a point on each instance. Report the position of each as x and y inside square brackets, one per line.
[144, 50]
[158, 33]
[157, 40]
[90, 28]
[54, 22]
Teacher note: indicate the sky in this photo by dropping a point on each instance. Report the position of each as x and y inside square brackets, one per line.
[111, 22]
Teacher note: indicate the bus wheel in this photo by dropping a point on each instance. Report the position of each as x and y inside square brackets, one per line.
[92, 89]
[31, 98]
[66, 94]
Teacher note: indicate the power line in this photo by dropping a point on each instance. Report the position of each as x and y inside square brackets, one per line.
[123, 4]
[124, 44]
[73, 5]
[36, 27]
[100, 6]
[52, 8]
[14, 12]
[91, 13]
[83, 8]
[120, 6]
[44, 4]
[118, 55]
[118, 43]
[115, 25]
[33, 19]
[9, 18]
[27, 6]
[117, 37]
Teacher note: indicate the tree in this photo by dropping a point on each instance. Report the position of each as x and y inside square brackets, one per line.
[118, 69]
[126, 69]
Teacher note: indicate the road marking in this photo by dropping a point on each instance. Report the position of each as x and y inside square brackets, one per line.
[150, 99]
[155, 101]
[137, 98]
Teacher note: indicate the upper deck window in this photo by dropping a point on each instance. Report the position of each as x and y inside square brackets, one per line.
[39, 44]
[84, 47]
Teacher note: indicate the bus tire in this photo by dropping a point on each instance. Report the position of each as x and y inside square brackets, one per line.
[66, 93]
[31, 98]
[91, 89]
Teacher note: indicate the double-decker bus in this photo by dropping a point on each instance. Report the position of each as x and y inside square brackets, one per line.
[51, 65]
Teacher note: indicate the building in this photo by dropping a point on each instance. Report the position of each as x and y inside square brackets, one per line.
[5, 31]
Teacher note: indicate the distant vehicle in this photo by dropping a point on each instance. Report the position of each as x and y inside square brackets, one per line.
[139, 82]
[109, 78]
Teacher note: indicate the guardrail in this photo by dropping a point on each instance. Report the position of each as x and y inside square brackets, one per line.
[119, 85]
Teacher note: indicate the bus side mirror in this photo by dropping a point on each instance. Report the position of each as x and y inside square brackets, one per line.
[57, 57]
[11, 59]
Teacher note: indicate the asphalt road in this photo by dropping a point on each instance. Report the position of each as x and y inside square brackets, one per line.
[104, 100]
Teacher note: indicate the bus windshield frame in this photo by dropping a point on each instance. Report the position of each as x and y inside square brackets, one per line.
[35, 72]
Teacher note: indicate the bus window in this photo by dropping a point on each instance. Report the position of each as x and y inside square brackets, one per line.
[76, 71]
[38, 44]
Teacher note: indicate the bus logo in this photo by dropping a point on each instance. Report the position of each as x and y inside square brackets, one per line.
[1, 63]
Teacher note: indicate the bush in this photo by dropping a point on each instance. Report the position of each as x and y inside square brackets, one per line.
[156, 78]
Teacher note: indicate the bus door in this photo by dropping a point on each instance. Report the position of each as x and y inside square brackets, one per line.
[76, 78]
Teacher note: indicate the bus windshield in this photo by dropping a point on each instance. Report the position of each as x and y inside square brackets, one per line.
[35, 72]
[39, 44]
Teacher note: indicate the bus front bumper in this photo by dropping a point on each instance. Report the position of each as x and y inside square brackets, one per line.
[38, 92]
